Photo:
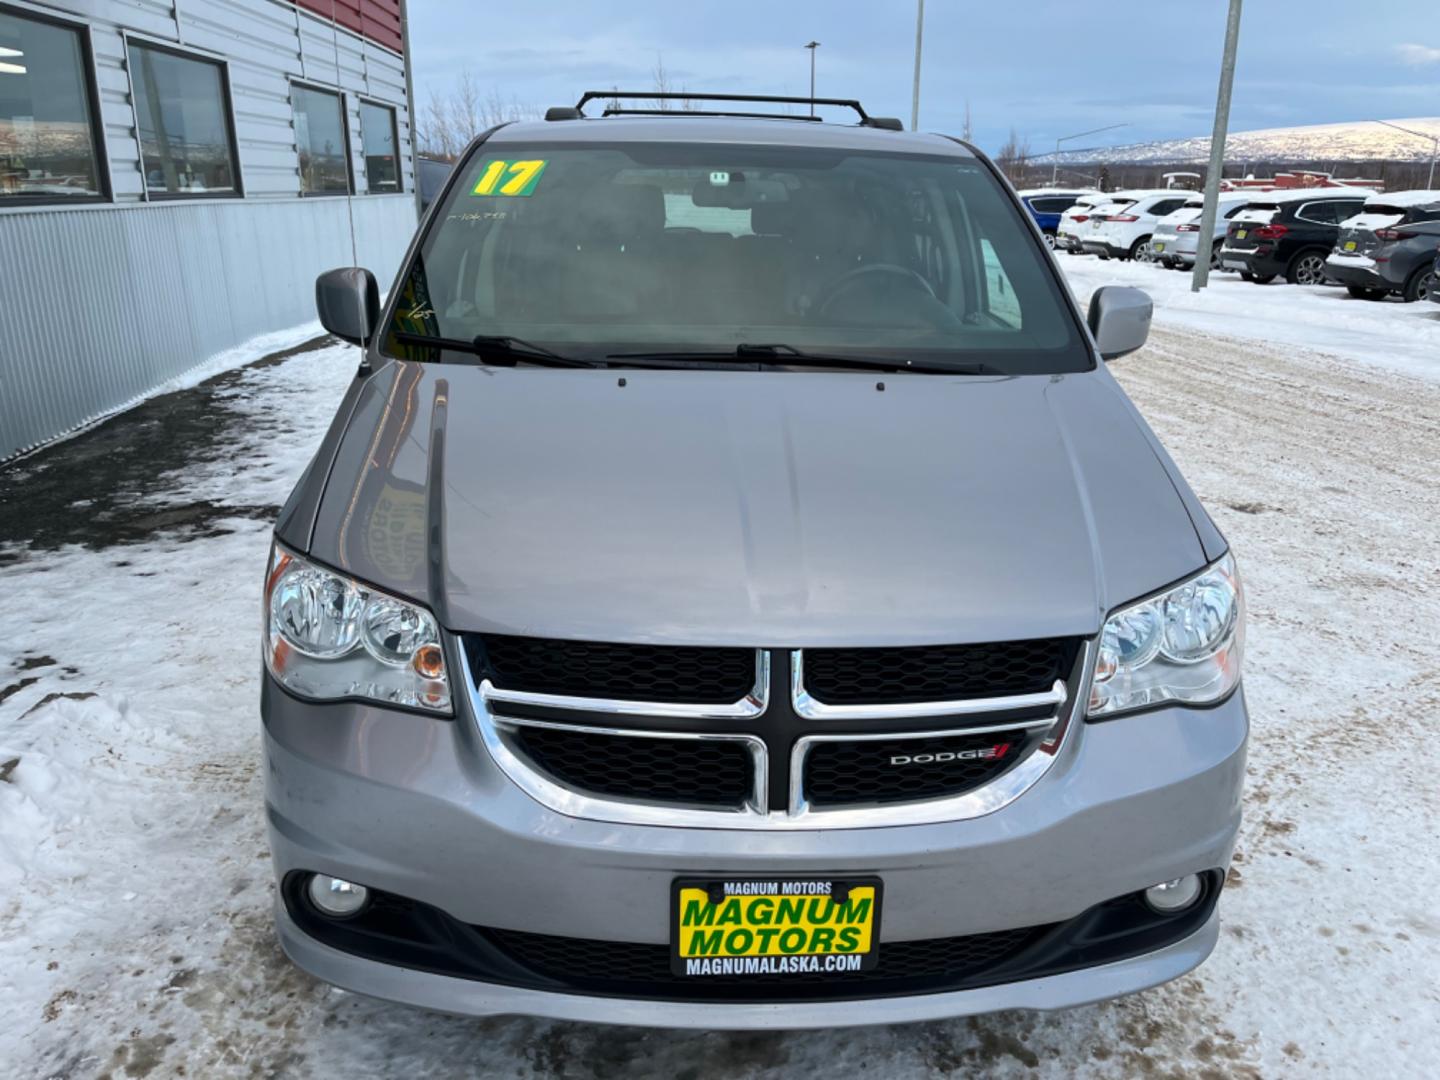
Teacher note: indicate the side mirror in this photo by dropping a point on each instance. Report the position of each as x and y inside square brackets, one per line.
[348, 301]
[1120, 319]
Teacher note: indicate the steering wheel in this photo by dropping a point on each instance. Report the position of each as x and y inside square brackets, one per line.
[891, 270]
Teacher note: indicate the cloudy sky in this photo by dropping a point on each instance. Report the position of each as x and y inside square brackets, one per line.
[1046, 67]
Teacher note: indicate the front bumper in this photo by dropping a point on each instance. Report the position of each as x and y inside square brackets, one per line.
[470, 998]
[416, 807]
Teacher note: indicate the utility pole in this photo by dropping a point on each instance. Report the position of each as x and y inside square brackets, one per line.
[812, 46]
[919, 40]
[1201, 276]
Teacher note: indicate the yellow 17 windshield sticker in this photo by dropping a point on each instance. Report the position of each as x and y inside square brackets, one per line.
[509, 178]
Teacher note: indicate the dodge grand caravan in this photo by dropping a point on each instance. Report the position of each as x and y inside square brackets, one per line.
[735, 593]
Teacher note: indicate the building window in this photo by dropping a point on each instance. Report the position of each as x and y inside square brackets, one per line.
[47, 126]
[382, 161]
[183, 111]
[321, 139]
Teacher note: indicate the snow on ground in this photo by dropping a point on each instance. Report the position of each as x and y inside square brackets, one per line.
[1387, 333]
[135, 887]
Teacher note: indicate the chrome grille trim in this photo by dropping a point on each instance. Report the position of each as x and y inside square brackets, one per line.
[757, 816]
[751, 705]
[811, 708]
[799, 806]
[572, 801]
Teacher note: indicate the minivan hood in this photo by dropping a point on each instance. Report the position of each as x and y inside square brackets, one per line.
[753, 508]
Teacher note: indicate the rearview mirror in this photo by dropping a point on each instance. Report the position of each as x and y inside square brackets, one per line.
[1120, 319]
[348, 301]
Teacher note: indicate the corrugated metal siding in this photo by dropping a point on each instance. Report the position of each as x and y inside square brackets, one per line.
[115, 301]
[101, 304]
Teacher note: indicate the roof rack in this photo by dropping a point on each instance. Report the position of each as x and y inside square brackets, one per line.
[576, 112]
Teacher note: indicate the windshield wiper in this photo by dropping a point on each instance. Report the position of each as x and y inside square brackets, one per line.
[512, 348]
[747, 354]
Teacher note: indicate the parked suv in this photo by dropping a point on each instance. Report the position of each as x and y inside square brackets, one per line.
[1288, 232]
[734, 592]
[1072, 221]
[1122, 231]
[1177, 235]
[1389, 247]
[1047, 204]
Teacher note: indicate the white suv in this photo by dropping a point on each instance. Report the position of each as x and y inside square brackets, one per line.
[1123, 229]
[1176, 236]
[1073, 220]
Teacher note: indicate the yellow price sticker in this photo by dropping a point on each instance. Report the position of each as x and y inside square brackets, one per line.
[509, 178]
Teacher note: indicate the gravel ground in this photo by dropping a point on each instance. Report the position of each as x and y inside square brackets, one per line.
[134, 878]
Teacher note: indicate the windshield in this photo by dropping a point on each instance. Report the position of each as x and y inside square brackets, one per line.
[596, 250]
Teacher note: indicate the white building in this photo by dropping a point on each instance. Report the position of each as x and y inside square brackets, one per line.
[173, 175]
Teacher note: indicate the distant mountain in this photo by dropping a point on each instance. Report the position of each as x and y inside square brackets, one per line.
[1358, 141]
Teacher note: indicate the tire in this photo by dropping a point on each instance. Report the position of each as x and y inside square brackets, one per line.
[1050, 240]
[1140, 251]
[1215, 255]
[1258, 279]
[1421, 285]
[1307, 268]
[1360, 292]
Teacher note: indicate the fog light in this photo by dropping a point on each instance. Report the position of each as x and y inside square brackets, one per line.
[337, 897]
[1171, 896]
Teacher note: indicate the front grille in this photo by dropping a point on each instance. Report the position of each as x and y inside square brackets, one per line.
[700, 772]
[628, 968]
[877, 676]
[865, 771]
[663, 673]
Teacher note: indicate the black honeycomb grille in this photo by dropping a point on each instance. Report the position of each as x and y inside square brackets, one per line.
[701, 772]
[873, 771]
[936, 672]
[644, 970]
[664, 673]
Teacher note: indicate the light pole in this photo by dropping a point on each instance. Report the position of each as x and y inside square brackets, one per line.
[1055, 162]
[1434, 146]
[919, 38]
[812, 46]
[1200, 277]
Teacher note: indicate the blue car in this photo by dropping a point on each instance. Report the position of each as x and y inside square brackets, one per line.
[1047, 204]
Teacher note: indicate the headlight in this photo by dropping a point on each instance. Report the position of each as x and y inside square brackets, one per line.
[1183, 645]
[329, 637]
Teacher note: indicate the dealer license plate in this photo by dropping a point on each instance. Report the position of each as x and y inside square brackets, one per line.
[1240, 234]
[1349, 245]
[1160, 247]
[774, 926]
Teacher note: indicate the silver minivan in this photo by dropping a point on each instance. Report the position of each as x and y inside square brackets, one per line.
[734, 593]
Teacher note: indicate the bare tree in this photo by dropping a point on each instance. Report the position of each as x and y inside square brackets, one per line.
[1013, 157]
[449, 121]
[662, 85]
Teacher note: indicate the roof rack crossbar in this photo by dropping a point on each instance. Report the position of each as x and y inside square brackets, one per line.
[670, 95]
[703, 112]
